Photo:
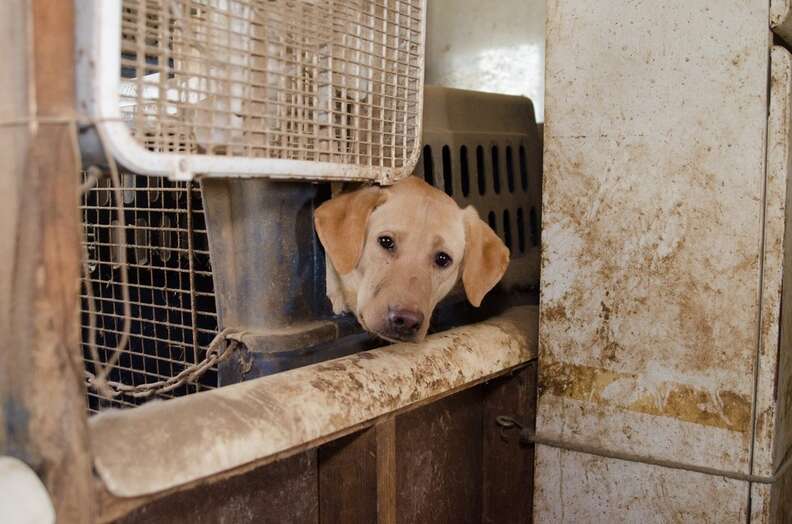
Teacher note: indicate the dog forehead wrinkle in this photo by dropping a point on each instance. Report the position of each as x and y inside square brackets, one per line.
[438, 242]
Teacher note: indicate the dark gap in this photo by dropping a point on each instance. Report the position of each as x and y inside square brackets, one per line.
[523, 169]
[482, 184]
[492, 221]
[447, 180]
[428, 164]
[534, 227]
[509, 169]
[463, 168]
[521, 230]
[495, 170]
[778, 345]
[507, 229]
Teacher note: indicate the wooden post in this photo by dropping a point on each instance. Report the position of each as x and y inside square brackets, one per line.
[386, 471]
[43, 415]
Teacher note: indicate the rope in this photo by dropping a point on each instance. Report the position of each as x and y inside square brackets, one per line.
[529, 436]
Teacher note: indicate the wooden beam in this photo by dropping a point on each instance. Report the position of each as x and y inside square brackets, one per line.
[507, 464]
[348, 479]
[41, 382]
[386, 471]
[438, 460]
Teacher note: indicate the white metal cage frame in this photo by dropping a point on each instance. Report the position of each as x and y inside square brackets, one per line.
[313, 89]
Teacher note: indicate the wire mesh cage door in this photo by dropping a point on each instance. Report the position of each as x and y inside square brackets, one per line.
[313, 89]
[171, 292]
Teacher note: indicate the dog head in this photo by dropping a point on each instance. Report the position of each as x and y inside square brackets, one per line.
[397, 251]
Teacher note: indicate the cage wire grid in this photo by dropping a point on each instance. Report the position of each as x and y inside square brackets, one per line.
[317, 80]
[170, 284]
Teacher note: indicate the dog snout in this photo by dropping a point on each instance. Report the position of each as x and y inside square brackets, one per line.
[404, 323]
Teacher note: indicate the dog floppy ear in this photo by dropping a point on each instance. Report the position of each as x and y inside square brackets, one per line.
[486, 257]
[341, 225]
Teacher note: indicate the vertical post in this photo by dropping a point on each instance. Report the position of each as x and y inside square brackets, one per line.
[386, 471]
[42, 398]
[263, 252]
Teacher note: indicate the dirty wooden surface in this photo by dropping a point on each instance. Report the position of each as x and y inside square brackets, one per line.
[286, 491]
[386, 471]
[653, 204]
[268, 418]
[431, 464]
[438, 459]
[508, 466]
[348, 479]
[41, 384]
[772, 431]
[773, 437]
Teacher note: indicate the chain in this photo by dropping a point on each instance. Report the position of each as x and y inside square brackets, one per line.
[214, 355]
[222, 346]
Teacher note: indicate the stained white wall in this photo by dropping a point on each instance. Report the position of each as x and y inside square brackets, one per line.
[488, 45]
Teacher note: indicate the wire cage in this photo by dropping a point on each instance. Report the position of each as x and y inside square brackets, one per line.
[170, 284]
[297, 89]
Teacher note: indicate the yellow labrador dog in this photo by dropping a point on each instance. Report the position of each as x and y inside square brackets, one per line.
[397, 251]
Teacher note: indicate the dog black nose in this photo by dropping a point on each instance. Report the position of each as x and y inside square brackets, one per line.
[404, 323]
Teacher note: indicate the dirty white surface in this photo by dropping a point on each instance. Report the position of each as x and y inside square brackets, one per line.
[655, 129]
[773, 436]
[162, 445]
[497, 47]
[599, 490]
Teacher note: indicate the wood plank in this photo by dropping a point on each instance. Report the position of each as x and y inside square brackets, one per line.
[281, 492]
[386, 472]
[438, 461]
[41, 382]
[348, 479]
[507, 465]
[333, 399]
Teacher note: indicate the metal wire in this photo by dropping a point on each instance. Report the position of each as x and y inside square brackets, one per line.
[171, 292]
[320, 80]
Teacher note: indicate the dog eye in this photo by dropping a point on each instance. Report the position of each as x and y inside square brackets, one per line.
[443, 260]
[386, 242]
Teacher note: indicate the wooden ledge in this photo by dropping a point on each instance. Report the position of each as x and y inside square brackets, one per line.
[162, 446]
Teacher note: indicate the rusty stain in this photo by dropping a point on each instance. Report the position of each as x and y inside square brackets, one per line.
[663, 254]
[554, 313]
[651, 257]
[724, 409]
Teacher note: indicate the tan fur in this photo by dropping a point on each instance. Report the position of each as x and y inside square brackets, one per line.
[423, 221]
